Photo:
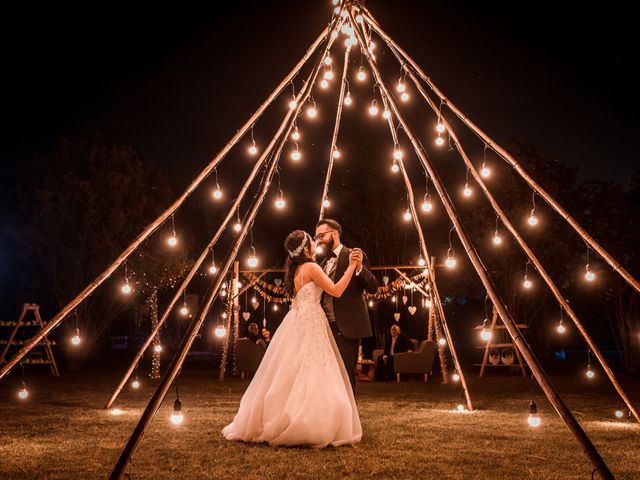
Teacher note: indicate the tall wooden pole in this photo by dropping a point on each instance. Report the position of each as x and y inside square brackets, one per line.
[100, 279]
[192, 332]
[506, 156]
[510, 324]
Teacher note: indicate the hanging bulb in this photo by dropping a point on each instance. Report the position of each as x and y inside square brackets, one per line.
[619, 413]
[176, 416]
[533, 420]
[485, 333]
[394, 299]
[135, 384]
[347, 99]
[253, 149]
[404, 97]
[427, 206]
[533, 220]
[527, 283]
[220, 331]
[296, 134]
[359, 18]
[497, 239]
[295, 154]
[372, 46]
[561, 328]
[401, 87]
[336, 153]
[172, 241]
[362, 75]
[467, 191]
[213, 269]
[407, 215]
[386, 114]
[157, 348]
[217, 193]
[326, 203]
[439, 141]
[324, 84]
[280, 203]
[184, 311]
[397, 153]
[485, 171]
[275, 307]
[395, 168]
[589, 275]
[312, 112]
[422, 262]
[237, 226]
[328, 60]
[126, 288]
[373, 109]
[440, 128]
[590, 373]
[455, 377]
[370, 303]
[451, 261]
[293, 103]
[442, 341]
[75, 340]
[328, 75]
[252, 262]
[23, 393]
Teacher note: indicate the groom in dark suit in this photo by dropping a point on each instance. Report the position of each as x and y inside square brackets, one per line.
[348, 315]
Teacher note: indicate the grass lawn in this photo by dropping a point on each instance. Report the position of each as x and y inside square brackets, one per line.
[410, 431]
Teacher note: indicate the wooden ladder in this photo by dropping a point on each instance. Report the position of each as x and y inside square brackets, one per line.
[509, 344]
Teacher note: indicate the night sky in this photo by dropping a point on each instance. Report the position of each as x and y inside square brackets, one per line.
[175, 82]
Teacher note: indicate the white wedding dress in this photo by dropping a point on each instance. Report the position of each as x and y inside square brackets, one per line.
[300, 394]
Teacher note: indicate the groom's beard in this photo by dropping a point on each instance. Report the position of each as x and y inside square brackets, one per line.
[329, 247]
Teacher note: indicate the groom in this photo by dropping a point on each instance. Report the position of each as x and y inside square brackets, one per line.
[348, 315]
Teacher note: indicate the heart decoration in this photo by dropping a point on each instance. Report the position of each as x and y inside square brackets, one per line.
[255, 305]
[246, 315]
[385, 279]
[396, 316]
[277, 281]
[404, 299]
[412, 310]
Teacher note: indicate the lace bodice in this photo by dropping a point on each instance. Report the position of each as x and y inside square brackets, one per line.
[309, 294]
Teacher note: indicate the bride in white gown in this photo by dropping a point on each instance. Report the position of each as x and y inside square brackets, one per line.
[300, 394]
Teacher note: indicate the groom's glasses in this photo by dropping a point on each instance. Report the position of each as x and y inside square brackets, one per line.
[319, 235]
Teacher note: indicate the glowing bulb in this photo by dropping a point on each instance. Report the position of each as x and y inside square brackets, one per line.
[450, 262]
[359, 18]
[397, 154]
[485, 335]
[456, 377]
[373, 110]
[533, 420]
[253, 149]
[126, 288]
[296, 134]
[318, 249]
[401, 86]
[275, 307]
[533, 220]
[467, 191]
[371, 303]
[336, 153]
[619, 413]
[497, 239]
[561, 328]
[460, 407]
[422, 262]
[442, 342]
[334, 34]
[217, 193]
[386, 114]
[116, 411]
[184, 311]
[280, 203]
[75, 340]
[527, 283]
[157, 348]
[324, 83]
[590, 373]
[439, 141]
[293, 104]
[328, 60]
[326, 203]
[296, 155]
[136, 383]
[312, 112]
[372, 46]
[589, 276]
[427, 206]
[395, 168]
[347, 100]
[213, 269]
[485, 171]
[176, 416]
[23, 393]
[404, 97]
[220, 332]
[407, 216]
[362, 75]
[237, 226]
[440, 128]
[328, 75]
[172, 241]
[394, 298]
[252, 262]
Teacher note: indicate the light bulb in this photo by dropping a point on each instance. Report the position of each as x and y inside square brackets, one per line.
[136, 383]
[533, 420]
[485, 335]
[485, 171]
[373, 110]
[401, 87]
[253, 261]
[460, 407]
[371, 303]
[372, 46]
[590, 373]
[440, 128]
[336, 153]
[126, 288]
[456, 377]
[213, 269]
[324, 83]
[589, 276]
[442, 342]
[407, 216]
[296, 134]
[312, 112]
[23, 393]
[75, 340]
[395, 168]
[619, 413]
[362, 75]
[296, 155]
[220, 332]
[217, 193]
[275, 307]
[176, 416]
[439, 141]
[326, 203]
[350, 42]
[347, 100]
[427, 206]
[184, 311]
[172, 241]
[497, 239]
[224, 314]
[280, 203]
[450, 262]
[237, 226]
[422, 262]
[397, 154]
[293, 104]
[253, 149]
[334, 34]
[561, 328]
[116, 411]
[328, 60]
[467, 191]
[533, 220]
[157, 348]
[386, 114]
[404, 97]
[359, 18]
[527, 283]
[328, 75]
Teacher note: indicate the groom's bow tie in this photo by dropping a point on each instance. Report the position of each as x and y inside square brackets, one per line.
[331, 254]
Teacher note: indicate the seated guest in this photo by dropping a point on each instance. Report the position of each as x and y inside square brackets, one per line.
[396, 343]
[254, 335]
[266, 334]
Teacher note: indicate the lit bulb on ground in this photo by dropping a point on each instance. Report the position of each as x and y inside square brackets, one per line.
[23, 393]
[439, 141]
[450, 262]
[296, 155]
[456, 377]
[373, 110]
[347, 100]
[533, 420]
[533, 220]
[75, 340]
[386, 114]
[460, 407]
[157, 348]
[217, 193]
[213, 269]
[527, 283]
[590, 373]
[176, 416]
[312, 112]
[116, 411]
[442, 342]
[253, 149]
[126, 288]
[467, 191]
[440, 127]
[362, 75]
[252, 262]
[485, 172]
[220, 332]
[172, 241]
[336, 153]
[184, 311]
[404, 97]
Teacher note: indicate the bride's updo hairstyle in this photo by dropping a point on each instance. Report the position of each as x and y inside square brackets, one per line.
[297, 245]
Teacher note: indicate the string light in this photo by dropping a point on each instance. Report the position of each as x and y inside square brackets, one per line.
[421, 261]
[328, 60]
[407, 215]
[401, 87]
[485, 171]
[533, 220]
[237, 226]
[336, 153]
[361, 75]
[395, 168]
[467, 190]
[561, 328]
[497, 239]
[619, 413]
[373, 109]
[312, 112]
[455, 377]
[386, 114]
[439, 141]
[326, 203]
[184, 311]
[404, 97]
[253, 260]
[440, 128]
[450, 262]
[347, 99]
[295, 153]
[359, 18]
[213, 269]
[136, 383]
[588, 274]
[252, 149]
[590, 373]
[296, 134]
[126, 288]
[370, 303]
[280, 203]
[157, 348]
[275, 307]
[485, 333]
[217, 193]
[177, 417]
[173, 239]
[293, 103]
[220, 331]
[526, 283]
[533, 420]
[75, 340]
[328, 75]
[23, 393]
[397, 153]
[442, 341]
[324, 84]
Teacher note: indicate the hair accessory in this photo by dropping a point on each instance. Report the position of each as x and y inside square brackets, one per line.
[297, 251]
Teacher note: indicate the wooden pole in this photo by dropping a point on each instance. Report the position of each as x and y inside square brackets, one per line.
[59, 317]
[205, 253]
[506, 156]
[510, 324]
[192, 332]
[524, 246]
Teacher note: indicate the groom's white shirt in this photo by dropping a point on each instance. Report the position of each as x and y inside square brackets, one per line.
[329, 265]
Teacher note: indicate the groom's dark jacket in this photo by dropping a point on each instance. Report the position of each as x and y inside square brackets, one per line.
[350, 310]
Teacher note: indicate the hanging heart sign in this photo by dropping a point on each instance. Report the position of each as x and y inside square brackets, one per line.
[396, 316]
[385, 279]
[246, 315]
[412, 310]
[255, 305]
[277, 281]
[404, 299]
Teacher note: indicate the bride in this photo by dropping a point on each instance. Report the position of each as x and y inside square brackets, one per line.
[300, 394]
